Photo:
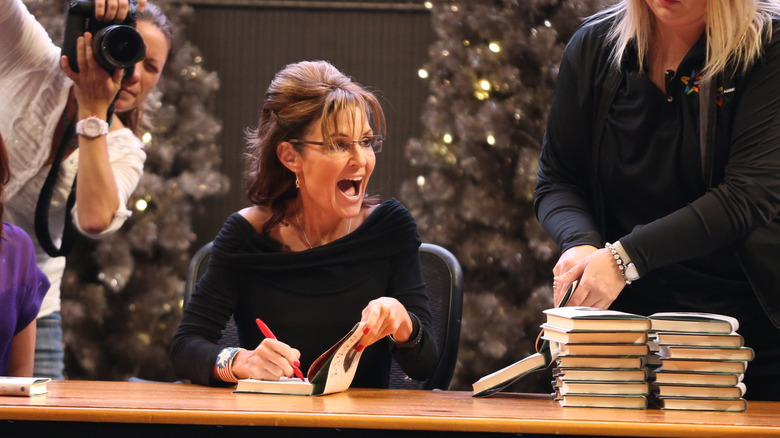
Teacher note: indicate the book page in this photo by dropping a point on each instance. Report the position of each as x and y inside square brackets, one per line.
[335, 369]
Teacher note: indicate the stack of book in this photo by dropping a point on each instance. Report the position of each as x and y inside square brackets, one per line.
[702, 362]
[599, 357]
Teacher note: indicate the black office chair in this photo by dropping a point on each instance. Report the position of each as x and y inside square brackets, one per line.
[444, 282]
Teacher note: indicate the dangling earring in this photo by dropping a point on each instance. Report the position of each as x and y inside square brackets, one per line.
[297, 182]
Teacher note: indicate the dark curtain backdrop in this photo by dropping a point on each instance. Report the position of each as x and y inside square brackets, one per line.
[379, 44]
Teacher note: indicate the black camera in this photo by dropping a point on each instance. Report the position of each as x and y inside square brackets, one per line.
[115, 46]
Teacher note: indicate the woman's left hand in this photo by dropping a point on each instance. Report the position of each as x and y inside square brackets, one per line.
[600, 281]
[95, 88]
[385, 316]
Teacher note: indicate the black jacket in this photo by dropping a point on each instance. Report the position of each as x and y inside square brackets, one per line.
[740, 209]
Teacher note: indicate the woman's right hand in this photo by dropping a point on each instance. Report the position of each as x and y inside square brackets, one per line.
[568, 260]
[115, 10]
[271, 360]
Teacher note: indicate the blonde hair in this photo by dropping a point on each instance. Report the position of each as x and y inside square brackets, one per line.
[736, 32]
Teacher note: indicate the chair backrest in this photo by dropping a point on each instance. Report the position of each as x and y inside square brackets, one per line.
[197, 267]
[444, 282]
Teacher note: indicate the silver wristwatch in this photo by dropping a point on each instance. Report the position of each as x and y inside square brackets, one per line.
[92, 127]
[630, 271]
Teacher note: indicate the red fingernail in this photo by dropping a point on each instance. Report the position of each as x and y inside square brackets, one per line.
[359, 348]
[297, 363]
[366, 330]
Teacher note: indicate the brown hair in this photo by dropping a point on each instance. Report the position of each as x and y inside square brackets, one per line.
[136, 118]
[5, 174]
[298, 96]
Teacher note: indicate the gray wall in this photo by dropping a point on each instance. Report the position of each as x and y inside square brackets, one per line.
[378, 44]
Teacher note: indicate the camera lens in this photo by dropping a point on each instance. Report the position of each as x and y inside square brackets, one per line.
[118, 46]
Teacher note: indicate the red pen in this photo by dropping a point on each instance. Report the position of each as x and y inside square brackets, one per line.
[269, 334]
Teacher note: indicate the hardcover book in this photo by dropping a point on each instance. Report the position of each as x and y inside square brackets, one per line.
[332, 372]
[568, 336]
[701, 404]
[23, 386]
[543, 358]
[498, 380]
[731, 340]
[664, 377]
[707, 366]
[693, 322]
[616, 350]
[698, 391]
[601, 374]
[705, 353]
[603, 401]
[601, 362]
[593, 319]
[607, 388]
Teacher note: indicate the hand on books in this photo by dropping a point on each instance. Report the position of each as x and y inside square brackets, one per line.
[271, 360]
[600, 281]
[385, 316]
[568, 260]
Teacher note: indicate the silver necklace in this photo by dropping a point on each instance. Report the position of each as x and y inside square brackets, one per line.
[298, 219]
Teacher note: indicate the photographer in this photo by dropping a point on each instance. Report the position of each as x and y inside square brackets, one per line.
[55, 117]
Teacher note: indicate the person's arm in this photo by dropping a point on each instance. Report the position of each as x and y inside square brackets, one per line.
[24, 43]
[747, 198]
[562, 200]
[29, 287]
[415, 347]
[195, 350]
[749, 195]
[22, 352]
[96, 191]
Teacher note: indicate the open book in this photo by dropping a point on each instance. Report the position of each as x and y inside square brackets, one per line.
[543, 358]
[332, 372]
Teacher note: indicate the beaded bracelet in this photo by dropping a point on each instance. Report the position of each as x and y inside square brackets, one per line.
[414, 341]
[619, 261]
[225, 364]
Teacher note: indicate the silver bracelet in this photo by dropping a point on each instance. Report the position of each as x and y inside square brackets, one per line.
[619, 261]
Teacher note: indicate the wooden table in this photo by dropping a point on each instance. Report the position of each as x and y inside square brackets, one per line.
[144, 409]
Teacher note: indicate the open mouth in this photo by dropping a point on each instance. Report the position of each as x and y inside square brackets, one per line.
[350, 186]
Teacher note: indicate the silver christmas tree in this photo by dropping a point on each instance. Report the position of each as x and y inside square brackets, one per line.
[491, 76]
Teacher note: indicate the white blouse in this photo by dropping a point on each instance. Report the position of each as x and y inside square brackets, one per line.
[34, 92]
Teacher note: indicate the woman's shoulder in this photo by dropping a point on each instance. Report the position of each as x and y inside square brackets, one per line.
[590, 38]
[17, 243]
[255, 215]
[392, 224]
[389, 210]
[241, 233]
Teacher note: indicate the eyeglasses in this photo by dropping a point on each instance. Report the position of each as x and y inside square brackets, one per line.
[343, 147]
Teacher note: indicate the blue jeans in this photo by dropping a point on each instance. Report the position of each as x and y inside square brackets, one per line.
[49, 350]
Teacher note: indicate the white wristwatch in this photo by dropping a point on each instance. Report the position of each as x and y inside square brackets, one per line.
[630, 272]
[92, 127]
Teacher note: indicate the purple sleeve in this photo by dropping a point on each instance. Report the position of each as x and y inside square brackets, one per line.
[24, 276]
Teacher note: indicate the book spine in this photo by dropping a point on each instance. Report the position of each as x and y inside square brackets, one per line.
[14, 389]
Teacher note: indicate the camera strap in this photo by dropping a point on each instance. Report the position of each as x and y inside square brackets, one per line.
[44, 202]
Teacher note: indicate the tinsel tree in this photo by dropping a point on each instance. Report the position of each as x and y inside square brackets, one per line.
[122, 295]
[491, 73]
